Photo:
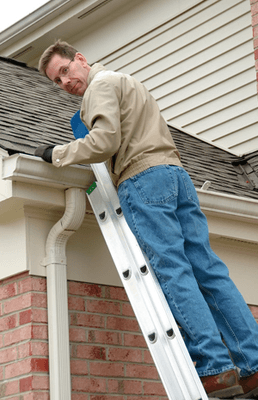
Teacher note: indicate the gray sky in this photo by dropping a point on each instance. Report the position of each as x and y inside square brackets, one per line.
[14, 10]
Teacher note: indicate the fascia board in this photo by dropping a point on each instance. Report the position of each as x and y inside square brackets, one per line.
[29, 169]
[41, 22]
[33, 170]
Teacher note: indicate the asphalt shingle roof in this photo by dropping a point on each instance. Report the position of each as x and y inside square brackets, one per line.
[33, 112]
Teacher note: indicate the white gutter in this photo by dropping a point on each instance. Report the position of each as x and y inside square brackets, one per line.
[58, 323]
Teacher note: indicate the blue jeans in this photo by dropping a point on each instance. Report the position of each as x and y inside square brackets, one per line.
[162, 209]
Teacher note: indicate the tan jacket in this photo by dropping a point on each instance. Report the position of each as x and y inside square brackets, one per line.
[125, 127]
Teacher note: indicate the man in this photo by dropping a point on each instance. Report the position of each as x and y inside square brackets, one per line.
[161, 207]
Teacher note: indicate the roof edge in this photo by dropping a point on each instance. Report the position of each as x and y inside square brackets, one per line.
[31, 169]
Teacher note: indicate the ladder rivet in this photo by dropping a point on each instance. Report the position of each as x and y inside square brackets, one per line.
[126, 274]
[119, 211]
[152, 337]
[170, 333]
[102, 216]
[144, 269]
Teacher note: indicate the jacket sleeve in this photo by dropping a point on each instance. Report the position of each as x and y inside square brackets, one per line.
[100, 111]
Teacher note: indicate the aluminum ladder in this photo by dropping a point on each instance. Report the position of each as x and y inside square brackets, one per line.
[159, 328]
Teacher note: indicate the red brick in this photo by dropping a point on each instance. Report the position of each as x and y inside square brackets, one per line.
[32, 284]
[39, 300]
[143, 398]
[115, 293]
[77, 335]
[14, 278]
[103, 307]
[18, 335]
[127, 310]
[106, 369]
[76, 396]
[76, 303]
[35, 396]
[18, 368]
[25, 317]
[39, 332]
[34, 382]
[122, 324]
[24, 350]
[40, 382]
[26, 384]
[39, 365]
[121, 354]
[134, 340]
[83, 384]
[39, 315]
[154, 388]
[1, 373]
[254, 8]
[91, 352]
[107, 397]
[147, 358]
[9, 322]
[7, 291]
[105, 337]
[255, 31]
[85, 289]
[39, 349]
[142, 371]
[8, 355]
[9, 388]
[89, 320]
[79, 367]
[124, 387]
[255, 43]
[255, 20]
[25, 367]
[18, 303]
[254, 310]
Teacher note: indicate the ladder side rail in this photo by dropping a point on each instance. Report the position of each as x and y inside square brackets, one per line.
[134, 291]
[176, 354]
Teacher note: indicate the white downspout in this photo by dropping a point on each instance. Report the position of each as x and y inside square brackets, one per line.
[58, 324]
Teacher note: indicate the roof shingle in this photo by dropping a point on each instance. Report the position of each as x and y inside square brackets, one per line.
[33, 112]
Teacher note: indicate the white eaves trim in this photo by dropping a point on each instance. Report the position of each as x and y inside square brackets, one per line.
[31, 169]
[231, 206]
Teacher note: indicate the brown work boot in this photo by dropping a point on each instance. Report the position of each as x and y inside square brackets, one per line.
[223, 386]
[250, 386]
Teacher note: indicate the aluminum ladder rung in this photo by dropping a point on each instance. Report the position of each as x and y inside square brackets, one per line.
[152, 312]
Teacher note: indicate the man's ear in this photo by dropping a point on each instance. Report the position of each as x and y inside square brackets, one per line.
[80, 57]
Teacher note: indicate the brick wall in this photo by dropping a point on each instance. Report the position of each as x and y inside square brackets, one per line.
[23, 339]
[254, 13]
[109, 357]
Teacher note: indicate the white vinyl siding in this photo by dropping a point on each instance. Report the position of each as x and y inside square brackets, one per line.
[200, 67]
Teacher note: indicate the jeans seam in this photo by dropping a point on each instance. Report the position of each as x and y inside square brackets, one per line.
[227, 323]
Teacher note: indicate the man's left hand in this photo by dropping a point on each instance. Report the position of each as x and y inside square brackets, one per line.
[45, 152]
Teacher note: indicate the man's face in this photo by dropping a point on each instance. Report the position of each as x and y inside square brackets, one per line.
[70, 76]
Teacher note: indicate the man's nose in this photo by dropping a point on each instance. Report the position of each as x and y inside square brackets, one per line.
[65, 80]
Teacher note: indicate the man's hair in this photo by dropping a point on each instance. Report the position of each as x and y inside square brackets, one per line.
[64, 49]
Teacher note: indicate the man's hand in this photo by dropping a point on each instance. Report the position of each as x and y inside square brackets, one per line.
[45, 152]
